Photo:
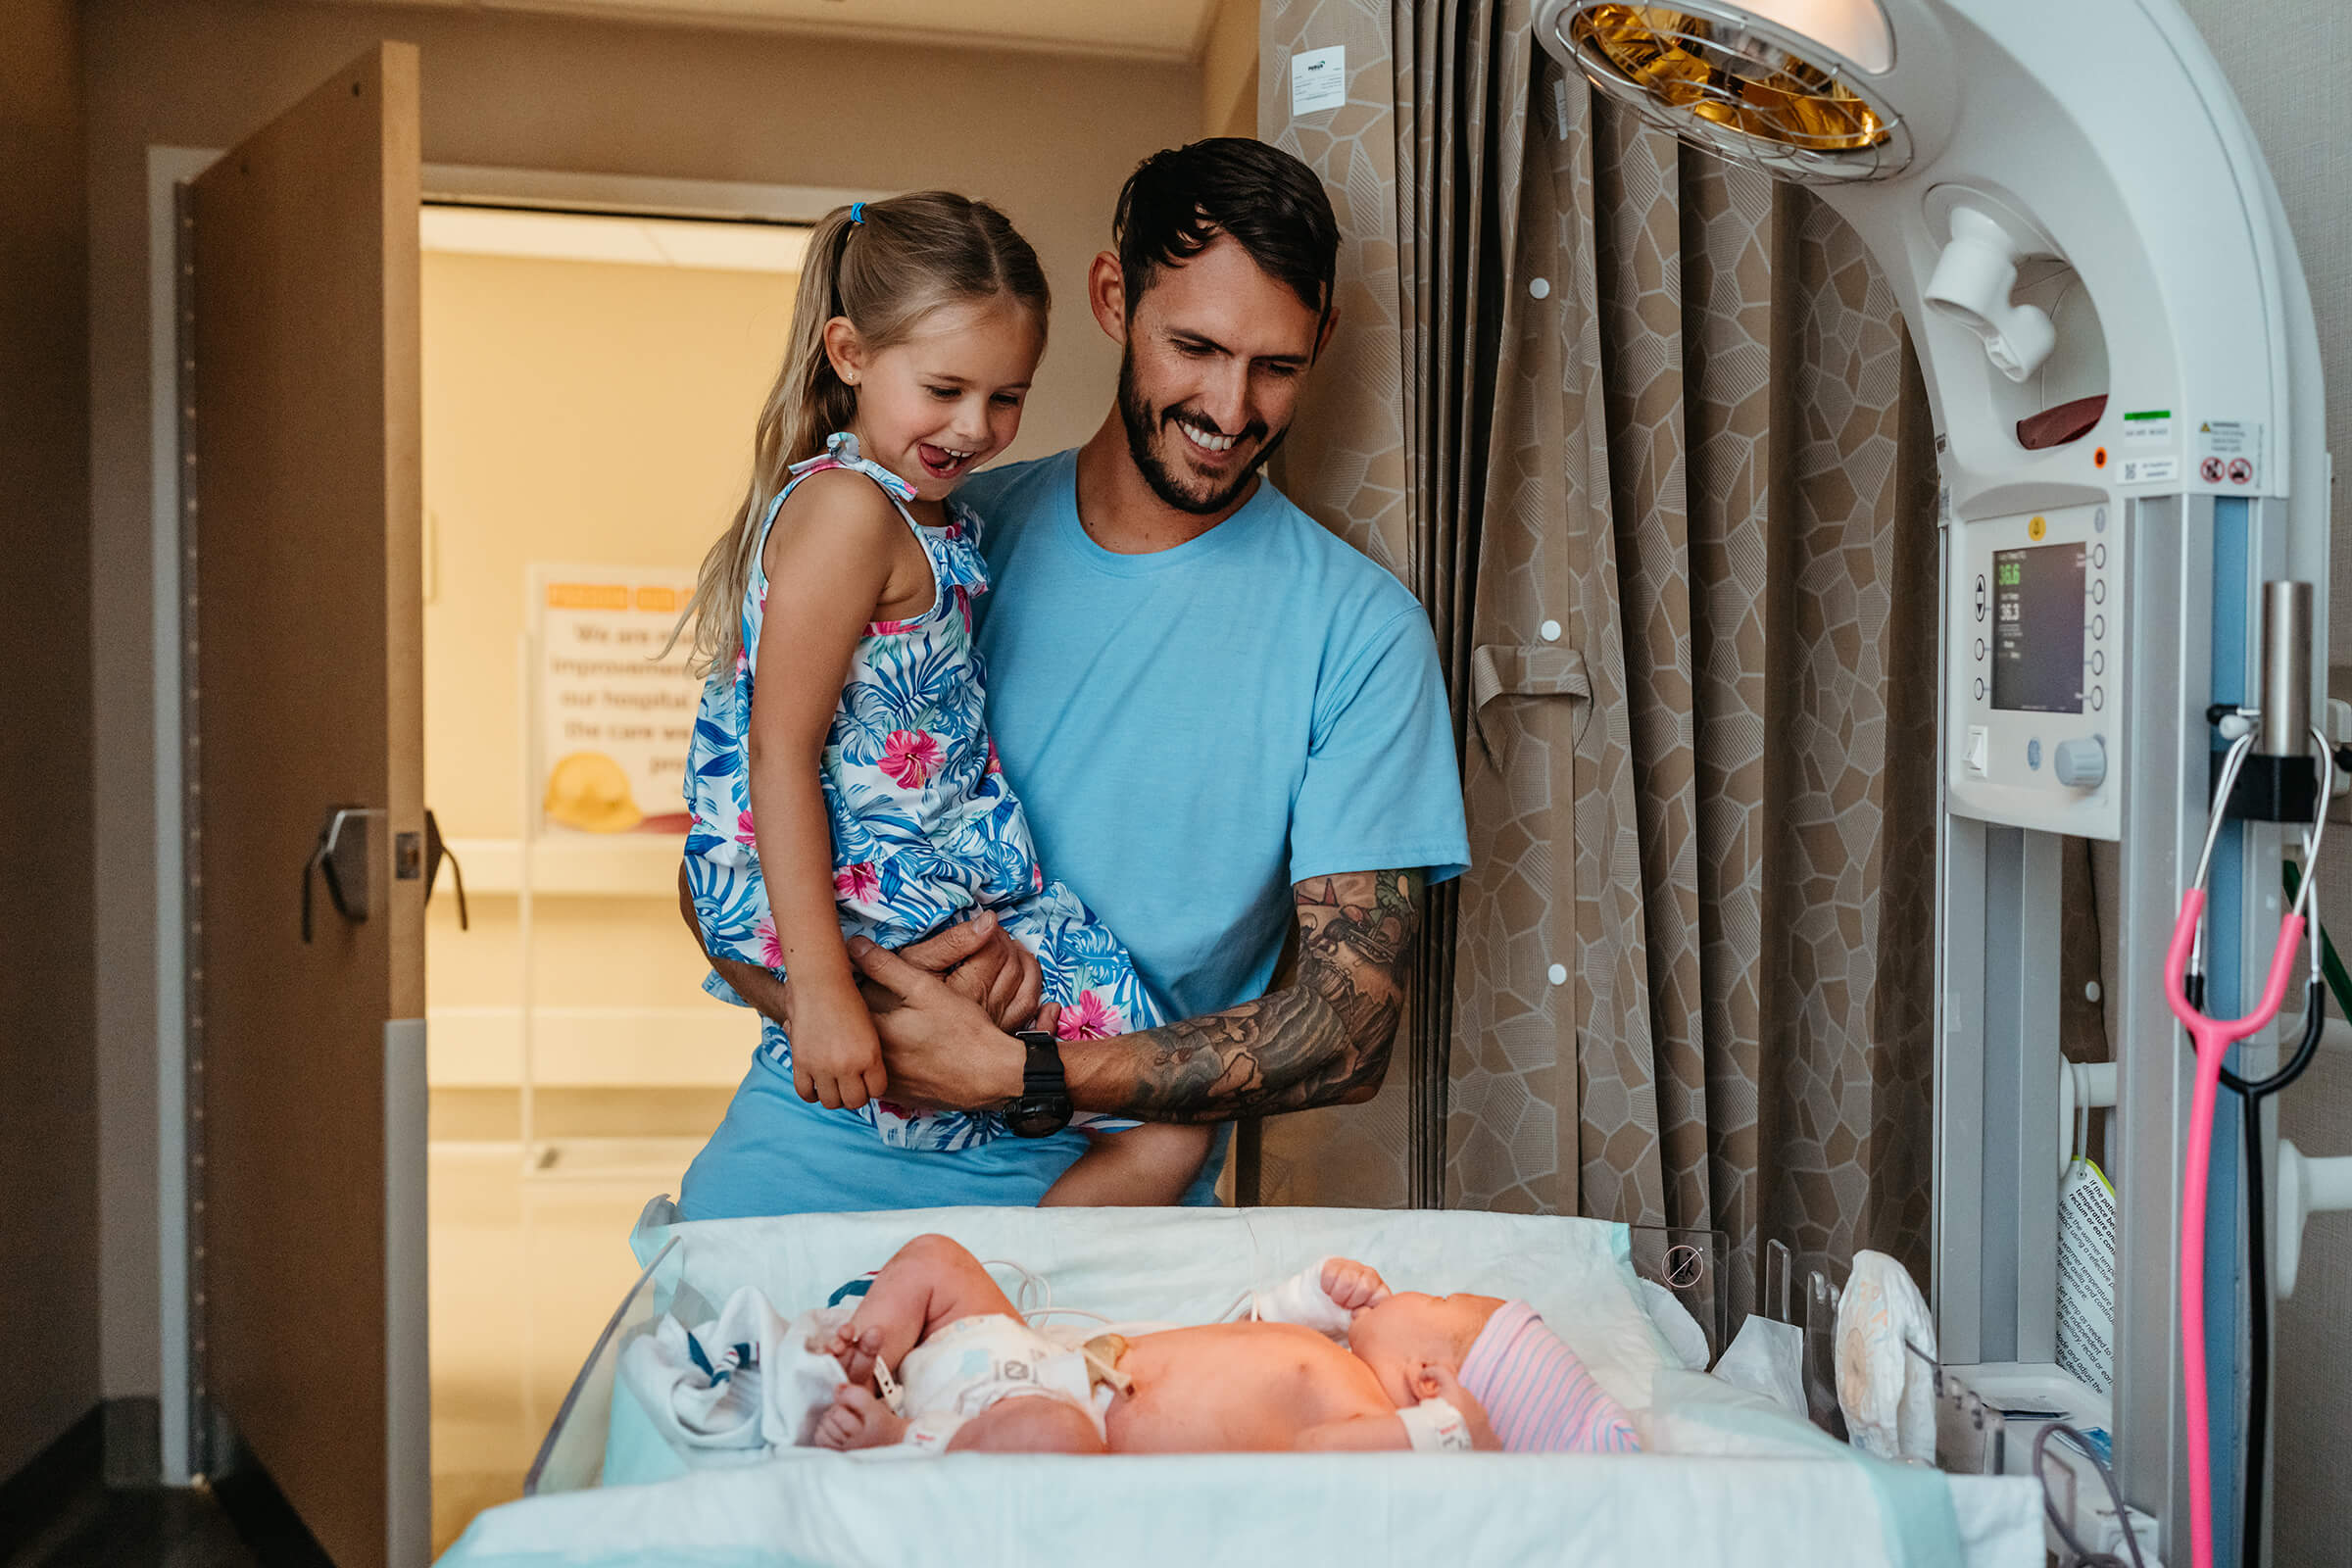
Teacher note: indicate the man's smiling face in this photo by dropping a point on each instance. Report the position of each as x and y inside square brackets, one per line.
[1217, 353]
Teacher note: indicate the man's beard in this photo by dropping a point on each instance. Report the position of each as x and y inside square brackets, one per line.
[1143, 424]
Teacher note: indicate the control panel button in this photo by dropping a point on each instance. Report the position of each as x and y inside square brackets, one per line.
[1980, 650]
[1980, 595]
[1979, 688]
[2098, 699]
[2080, 764]
[2099, 590]
[2098, 661]
[2098, 628]
[1979, 748]
[2034, 754]
[2098, 557]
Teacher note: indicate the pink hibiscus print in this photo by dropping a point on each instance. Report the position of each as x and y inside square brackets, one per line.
[772, 947]
[910, 756]
[743, 828]
[1088, 1018]
[857, 883]
[994, 766]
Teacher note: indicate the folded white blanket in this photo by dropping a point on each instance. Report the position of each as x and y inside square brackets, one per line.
[739, 1387]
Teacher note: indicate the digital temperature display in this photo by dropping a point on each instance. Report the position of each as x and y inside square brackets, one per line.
[2037, 629]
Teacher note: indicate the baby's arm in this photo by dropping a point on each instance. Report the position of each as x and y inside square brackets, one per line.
[1324, 1297]
[830, 559]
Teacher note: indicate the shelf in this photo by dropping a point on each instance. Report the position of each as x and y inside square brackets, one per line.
[622, 865]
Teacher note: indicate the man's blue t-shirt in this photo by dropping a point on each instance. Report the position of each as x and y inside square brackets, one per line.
[1192, 731]
[1196, 729]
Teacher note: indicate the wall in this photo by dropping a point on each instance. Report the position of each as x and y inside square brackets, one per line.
[48, 1094]
[1229, 71]
[2286, 60]
[1049, 138]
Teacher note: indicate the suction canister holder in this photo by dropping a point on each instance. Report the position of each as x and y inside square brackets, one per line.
[2280, 781]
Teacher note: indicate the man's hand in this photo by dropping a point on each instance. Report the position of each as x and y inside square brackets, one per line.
[978, 958]
[981, 962]
[940, 1048]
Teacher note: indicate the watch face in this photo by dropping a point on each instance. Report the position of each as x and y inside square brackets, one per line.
[1038, 1115]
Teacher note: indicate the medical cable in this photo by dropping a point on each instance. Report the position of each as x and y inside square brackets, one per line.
[2082, 1556]
[2258, 1219]
[2214, 1039]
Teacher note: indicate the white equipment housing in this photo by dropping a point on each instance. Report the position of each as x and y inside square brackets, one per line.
[2068, 204]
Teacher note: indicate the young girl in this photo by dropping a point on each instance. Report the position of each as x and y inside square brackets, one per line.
[841, 780]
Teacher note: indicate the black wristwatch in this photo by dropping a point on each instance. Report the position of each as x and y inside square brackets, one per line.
[1043, 1106]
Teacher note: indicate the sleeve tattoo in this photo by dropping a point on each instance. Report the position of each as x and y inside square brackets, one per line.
[1322, 1040]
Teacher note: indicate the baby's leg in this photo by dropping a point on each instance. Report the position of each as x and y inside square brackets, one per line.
[1144, 1167]
[930, 1283]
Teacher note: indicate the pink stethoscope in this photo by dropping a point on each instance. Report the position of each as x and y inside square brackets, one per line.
[2183, 962]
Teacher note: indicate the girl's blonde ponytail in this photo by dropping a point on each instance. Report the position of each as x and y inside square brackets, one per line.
[884, 272]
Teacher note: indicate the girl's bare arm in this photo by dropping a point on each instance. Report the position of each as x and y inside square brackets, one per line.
[834, 560]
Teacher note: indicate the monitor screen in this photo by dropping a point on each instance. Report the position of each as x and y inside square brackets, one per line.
[2037, 629]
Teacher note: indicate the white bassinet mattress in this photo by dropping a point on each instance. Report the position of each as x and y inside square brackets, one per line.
[1726, 1478]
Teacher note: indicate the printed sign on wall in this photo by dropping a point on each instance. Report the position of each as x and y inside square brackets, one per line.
[613, 720]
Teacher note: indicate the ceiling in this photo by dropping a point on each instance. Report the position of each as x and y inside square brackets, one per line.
[1144, 29]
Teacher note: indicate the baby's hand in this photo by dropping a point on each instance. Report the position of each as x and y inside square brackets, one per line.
[856, 1419]
[1439, 1381]
[1354, 1286]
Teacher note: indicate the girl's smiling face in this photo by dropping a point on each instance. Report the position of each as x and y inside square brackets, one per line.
[936, 405]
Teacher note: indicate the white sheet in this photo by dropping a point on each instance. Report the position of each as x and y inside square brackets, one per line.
[1725, 1483]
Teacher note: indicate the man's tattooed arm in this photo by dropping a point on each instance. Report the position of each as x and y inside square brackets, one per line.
[1322, 1040]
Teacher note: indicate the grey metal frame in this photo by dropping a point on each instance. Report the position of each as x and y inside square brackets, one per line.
[1997, 1005]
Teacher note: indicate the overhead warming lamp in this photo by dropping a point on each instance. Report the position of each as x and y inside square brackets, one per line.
[1780, 85]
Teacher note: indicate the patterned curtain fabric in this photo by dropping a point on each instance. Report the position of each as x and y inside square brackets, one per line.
[1666, 486]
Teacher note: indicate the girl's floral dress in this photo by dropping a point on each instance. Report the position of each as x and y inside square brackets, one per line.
[925, 831]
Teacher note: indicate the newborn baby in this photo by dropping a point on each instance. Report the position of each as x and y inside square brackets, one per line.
[1420, 1372]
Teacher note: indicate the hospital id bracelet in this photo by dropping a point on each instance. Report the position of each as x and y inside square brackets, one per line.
[1043, 1106]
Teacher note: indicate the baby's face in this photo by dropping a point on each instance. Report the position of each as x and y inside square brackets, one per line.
[1410, 1330]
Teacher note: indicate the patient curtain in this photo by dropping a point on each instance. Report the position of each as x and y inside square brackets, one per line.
[1644, 434]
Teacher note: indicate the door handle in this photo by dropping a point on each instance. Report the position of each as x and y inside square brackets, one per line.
[437, 850]
[341, 858]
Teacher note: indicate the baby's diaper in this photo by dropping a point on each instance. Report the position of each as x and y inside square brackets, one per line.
[973, 1363]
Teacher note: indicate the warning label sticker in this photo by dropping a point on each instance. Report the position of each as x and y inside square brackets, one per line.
[2229, 452]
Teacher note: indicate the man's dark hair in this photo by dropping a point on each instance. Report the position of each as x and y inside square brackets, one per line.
[1177, 202]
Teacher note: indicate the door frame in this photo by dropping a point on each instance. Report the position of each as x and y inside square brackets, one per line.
[168, 169]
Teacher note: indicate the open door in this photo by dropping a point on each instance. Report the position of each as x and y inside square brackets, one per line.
[308, 955]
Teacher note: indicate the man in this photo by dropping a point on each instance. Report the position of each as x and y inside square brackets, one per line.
[1224, 724]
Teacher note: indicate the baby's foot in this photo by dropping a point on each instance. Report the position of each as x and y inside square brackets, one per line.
[858, 1352]
[856, 1419]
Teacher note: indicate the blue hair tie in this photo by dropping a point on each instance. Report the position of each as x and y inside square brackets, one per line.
[857, 214]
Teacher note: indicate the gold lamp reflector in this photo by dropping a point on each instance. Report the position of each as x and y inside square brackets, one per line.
[1730, 77]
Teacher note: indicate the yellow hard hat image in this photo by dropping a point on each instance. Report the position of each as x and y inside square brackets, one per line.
[590, 792]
